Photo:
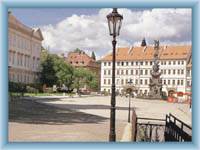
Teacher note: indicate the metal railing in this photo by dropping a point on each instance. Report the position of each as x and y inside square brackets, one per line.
[176, 130]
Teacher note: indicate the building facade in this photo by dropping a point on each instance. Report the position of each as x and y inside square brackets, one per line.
[136, 63]
[81, 59]
[24, 47]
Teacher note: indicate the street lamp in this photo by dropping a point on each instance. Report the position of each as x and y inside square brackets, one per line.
[129, 103]
[114, 24]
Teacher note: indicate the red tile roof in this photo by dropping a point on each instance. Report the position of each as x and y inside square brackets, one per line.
[146, 53]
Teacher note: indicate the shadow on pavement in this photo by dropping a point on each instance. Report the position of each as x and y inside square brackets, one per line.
[30, 111]
[84, 106]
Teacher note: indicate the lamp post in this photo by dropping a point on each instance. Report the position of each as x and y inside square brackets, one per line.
[129, 102]
[114, 24]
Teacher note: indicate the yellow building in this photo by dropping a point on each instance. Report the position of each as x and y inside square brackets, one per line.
[24, 47]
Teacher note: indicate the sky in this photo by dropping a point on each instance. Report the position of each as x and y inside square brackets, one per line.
[66, 29]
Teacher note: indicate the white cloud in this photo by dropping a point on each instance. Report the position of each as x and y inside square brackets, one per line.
[90, 33]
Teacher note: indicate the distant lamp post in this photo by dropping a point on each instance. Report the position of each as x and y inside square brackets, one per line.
[129, 102]
[114, 24]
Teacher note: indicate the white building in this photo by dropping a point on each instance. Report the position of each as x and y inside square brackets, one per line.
[136, 63]
[24, 47]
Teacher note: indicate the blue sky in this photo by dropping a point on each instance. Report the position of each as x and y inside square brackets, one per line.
[43, 16]
[66, 29]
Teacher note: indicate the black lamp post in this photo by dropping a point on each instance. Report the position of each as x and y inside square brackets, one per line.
[129, 102]
[114, 24]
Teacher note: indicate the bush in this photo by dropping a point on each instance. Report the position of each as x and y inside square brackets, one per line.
[18, 87]
[31, 90]
[36, 86]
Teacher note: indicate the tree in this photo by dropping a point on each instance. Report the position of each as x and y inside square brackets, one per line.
[84, 77]
[93, 55]
[64, 73]
[77, 50]
[54, 70]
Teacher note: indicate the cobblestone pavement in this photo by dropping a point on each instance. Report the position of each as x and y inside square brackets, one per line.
[82, 119]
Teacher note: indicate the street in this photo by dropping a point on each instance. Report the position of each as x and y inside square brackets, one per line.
[81, 118]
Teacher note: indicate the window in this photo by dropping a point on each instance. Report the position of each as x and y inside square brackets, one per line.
[122, 72]
[182, 71]
[122, 63]
[10, 56]
[146, 63]
[104, 72]
[169, 71]
[188, 72]
[13, 58]
[109, 81]
[173, 82]
[136, 72]
[164, 71]
[122, 81]
[141, 72]
[151, 63]
[117, 81]
[104, 63]
[118, 63]
[161, 62]
[126, 72]
[131, 72]
[164, 62]
[141, 63]
[136, 81]
[109, 63]
[178, 82]
[164, 81]
[188, 83]
[136, 63]
[178, 62]
[174, 71]
[126, 63]
[168, 82]
[169, 62]
[126, 81]
[146, 72]
[178, 71]
[146, 82]
[141, 81]
[182, 62]
[108, 72]
[181, 82]
[132, 63]
[104, 81]
[174, 62]
[117, 72]
[145, 92]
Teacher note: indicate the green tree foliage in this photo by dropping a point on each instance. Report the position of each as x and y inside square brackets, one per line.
[93, 56]
[55, 71]
[48, 72]
[84, 77]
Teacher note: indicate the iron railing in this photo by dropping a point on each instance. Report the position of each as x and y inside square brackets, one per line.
[176, 130]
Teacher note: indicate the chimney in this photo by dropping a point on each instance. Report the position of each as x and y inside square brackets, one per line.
[143, 42]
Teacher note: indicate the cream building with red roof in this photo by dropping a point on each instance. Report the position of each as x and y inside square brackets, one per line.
[24, 47]
[136, 63]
